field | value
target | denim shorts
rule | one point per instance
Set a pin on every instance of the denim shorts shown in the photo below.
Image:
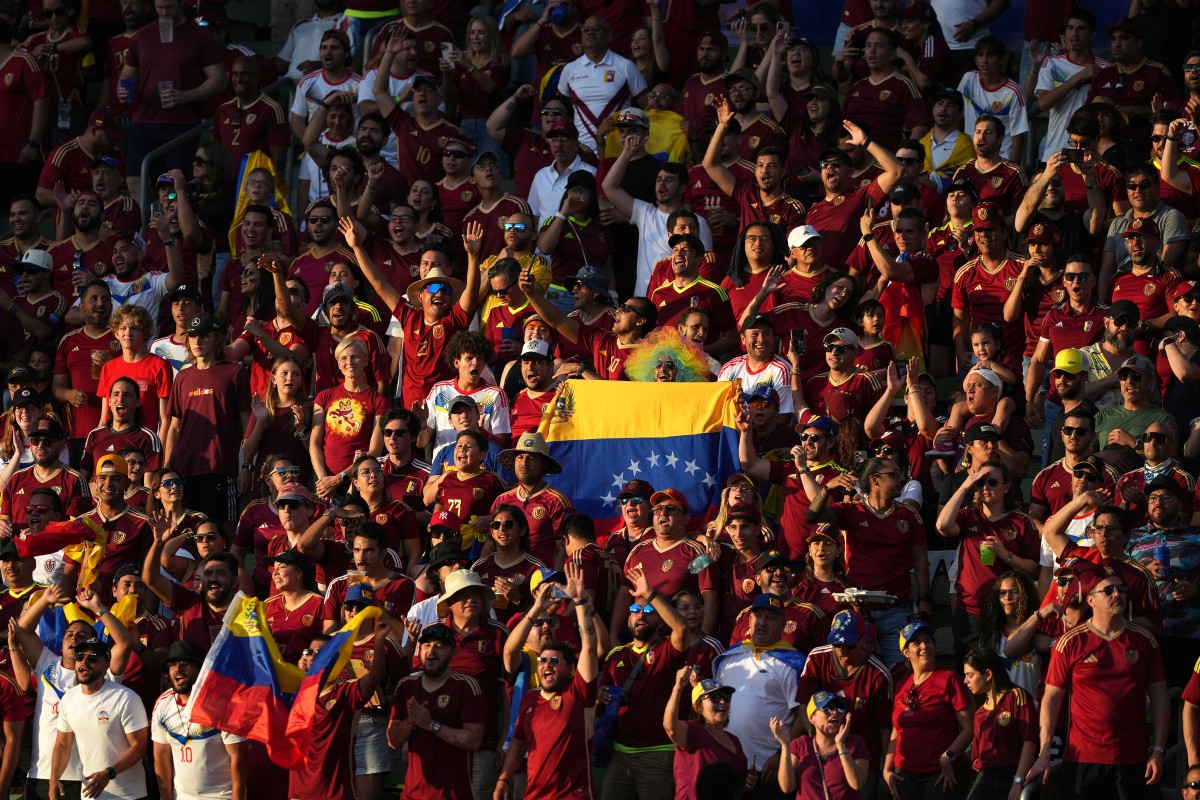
(371, 752)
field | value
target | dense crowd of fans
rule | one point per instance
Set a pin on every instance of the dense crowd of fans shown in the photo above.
(313, 368)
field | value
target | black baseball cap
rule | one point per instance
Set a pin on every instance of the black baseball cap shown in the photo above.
(757, 321)
(185, 290)
(202, 324)
(437, 632)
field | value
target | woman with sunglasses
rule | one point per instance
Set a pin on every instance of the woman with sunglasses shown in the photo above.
(754, 32)
(137, 495)
(701, 740)
(279, 425)
(832, 763)
(1012, 601)
(509, 568)
(185, 551)
(259, 521)
(1005, 737)
(293, 609)
(931, 722)
(995, 538)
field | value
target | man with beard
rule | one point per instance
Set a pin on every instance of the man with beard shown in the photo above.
(23, 212)
(641, 765)
(687, 288)
(886, 102)
(194, 760)
(200, 615)
(70, 163)
(537, 375)
(995, 179)
(251, 121)
(1125, 423)
(638, 520)
(341, 311)
(1147, 281)
(334, 75)
(701, 89)
(493, 214)
(130, 534)
(48, 471)
(544, 507)
(106, 722)
(1106, 356)
(1147, 191)
(385, 183)
(1132, 81)
(757, 130)
(312, 265)
(552, 726)
(86, 252)
(1055, 485)
(1070, 377)
(946, 146)
(129, 283)
(80, 354)
(300, 53)
(744, 563)
(369, 552)
(1158, 450)
(760, 368)
(439, 713)
(121, 211)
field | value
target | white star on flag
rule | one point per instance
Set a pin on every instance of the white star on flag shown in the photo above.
(691, 467)
(652, 459)
(609, 499)
(634, 469)
(709, 481)
(619, 480)
(671, 460)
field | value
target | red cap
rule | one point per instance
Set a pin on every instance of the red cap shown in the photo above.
(108, 120)
(892, 438)
(987, 217)
(1043, 233)
(746, 510)
(636, 489)
(1143, 226)
(671, 496)
(445, 519)
(340, 35)
(1182, 289)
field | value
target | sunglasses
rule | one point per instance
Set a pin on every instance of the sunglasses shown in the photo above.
(553, 112)
(515, 226)
(353, 607)
(38, 509)
(1193, 785)
(54, 12)
(287, 504)
(1086, 475)
(1132, 377)
(544, 622)
(171, 483)
(646, 609)
(913, 699)
(884, 450)
(669, 510)
(1190, 298)
(1158, 138)
(392, 433)
(250, 272)
(1124, 322)
(454, 153)
(991, 483)
(322, 219)
(826, 163)
(1073, 430)
(1192, 68)
(439, 288)
(204, 537)
(635, 500)
(758, 404)
(812, 437)
(1111, 589)
(1139, 186)
(201, 160)
(91, 658)
(834, 710)
(282, 471)
(1156, 438)
(840, 349)
(506, 525)
(503, 292)
(40, 440)
(592, 29)
(553, 661)
(1082, 277)
(628, 309)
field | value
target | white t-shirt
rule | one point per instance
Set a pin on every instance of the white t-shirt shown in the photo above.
(651, 223)
(53, 680)
(146, 291)
(956, 12)
(304, 40)
(315, 87)
(493, 410)
(546, 193)
(777, 373)
(1006, 102)
(1055, 71)
(174, 354)
(198, 756)
(100, 722)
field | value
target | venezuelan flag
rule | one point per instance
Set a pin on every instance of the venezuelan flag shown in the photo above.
(327, 667)
(244, 687)
(673, 435)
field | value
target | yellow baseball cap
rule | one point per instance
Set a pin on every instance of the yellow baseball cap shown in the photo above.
(1071, 361)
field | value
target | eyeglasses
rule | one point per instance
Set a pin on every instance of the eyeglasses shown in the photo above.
(757, 238)
(392, 433)
(204, 537)
(454, 153)
(91, 658)
(1111, 589)
(439, 288)
(404, 218)
(39, 509)
(811, 437)
(515, 226)
(544, 622)
(1132, 377)
(1156, 438)
(281, 472)
(367, 472)
(322, 219)
(635, 500)
(1107, 530)
(646, 609)
(826, 163)
(1139, 186)
(666, 508)
(553, 661)
(1075, 430)
(840, 349)
(506, 525)
(1082, 277)
(909, 161)
(171, 483)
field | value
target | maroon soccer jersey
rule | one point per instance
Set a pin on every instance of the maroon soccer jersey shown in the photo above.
(924, 716)
(424, 346)
(209, 403)
(256, 527)
(794, 523)
(418, 147)
(639, 722)
(1052, 487)
(759, 133)
(555, 731)
(1002, 731)
(405, 482)
(437, 770)
(527, 409)
(293, 628)
(867, 690)
(429, 39)
(313, 270)
(1148, 291)
(69, 256)
(395, 596)
(181, 61)
(65, 482)
(102, 441)
(974, 582)
(73, 358)
(666, 567)
(326, 374)
(261, 125)
(545, 511)
(1107, 679)
(1004, 184)
(805, 626)
(328, 773)
(672, 302)
(72, 165)
(704, 196)
(492, 220)
(878, 549)
(696, 102)
(887, 108)
(981, 293)
(1131, 492)
(456, 202)
(469, 496)
(1064, 328)
(853, 395)
(835, 217)
(519, 572)
(22, 83)
(608, 354)
(785, 212)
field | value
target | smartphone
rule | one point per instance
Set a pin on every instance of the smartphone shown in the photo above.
(783, 27)
(799, 341)
(857, 40)
(156, 210)
(902, 371)
(1074, 155)
(447, 50)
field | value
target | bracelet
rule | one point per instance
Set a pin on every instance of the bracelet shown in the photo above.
(560, 215)
(867, 143)
(168, 242)
(539, 23)
(653, 595)
(1157, 749)
(371, 186)
(1172, 138)
(843, 752)
(866, 237)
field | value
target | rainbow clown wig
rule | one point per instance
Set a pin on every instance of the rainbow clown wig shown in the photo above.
(665, 356)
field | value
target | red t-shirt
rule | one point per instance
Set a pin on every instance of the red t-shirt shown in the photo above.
(181, 61)
(1002, 731)
(835, 217)
(424, 346)
(417, 145)
(73, 358)
(867, 691)
(794, 524)
(1065, 328)
(153, 376)
(66, 483)
(924, 719)
(878, 550)
(527, 410)
(22, 83)
(555, 731)
(469, 496)
(703, 749)
(261, 125)
(975, 580)
(608, 354)
(437, 770)
(95, 260)
(1107, 679)
(209, 404)
(545, 511)
(1004, 184)
(293, 628)
(350, 421)
(329, 770)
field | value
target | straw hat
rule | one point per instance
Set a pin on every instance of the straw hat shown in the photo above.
(435, 275)
(531, 442)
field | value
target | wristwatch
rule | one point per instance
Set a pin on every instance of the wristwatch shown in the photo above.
(436, 728)
(950, 755)
(1018, 780)
(112, 773)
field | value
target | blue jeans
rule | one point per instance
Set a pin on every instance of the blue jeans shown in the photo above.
(888, 623)
(1051, 414)
(220, 261)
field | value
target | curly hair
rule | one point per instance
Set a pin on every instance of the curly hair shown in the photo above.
(992, 618)
(468, 343)
(690, 361)
(139, 316)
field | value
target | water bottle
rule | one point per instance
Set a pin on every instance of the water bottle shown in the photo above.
(699, 564)
(558, 15)
(1162, 554)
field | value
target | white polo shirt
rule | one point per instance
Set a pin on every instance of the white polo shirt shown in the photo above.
(597, 89)
(651, 223)
(546, 193)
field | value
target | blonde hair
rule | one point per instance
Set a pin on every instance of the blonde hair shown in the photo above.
(493, 49)
(140, 318)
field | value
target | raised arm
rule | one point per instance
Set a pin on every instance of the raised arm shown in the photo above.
(382, 88)
(1054, 530)
(885, 158)
(355, 236)
(673, 724)
(567, 327)
(475, 291)
(588, 665)
(666, 611)
(873, 425)
(752, 465)
(620, 198)
(720, 174)
(947, 521)
(151, 574)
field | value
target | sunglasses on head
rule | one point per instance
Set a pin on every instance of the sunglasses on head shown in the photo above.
(506, 525)
(645, 609)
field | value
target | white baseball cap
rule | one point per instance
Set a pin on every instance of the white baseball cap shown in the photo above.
(801, 234)
(843, 335)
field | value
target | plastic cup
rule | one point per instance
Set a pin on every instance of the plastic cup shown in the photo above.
(130, 87)
(987, 556)
(163, 88)
(97, 364)
(166, 30)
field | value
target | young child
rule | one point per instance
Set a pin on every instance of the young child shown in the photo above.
(988, 347)
(876, 352)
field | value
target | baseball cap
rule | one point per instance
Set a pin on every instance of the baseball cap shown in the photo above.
(1043, 233)
(987, 216)
(764, 391)
(823, 530)
(826, 701)
(486, 154)
(767, 602)
(296, 492)
(185, 290)
(462, 400)
(632, 117)
(428, 78)
(834, 152)
(742, 76)
(707, 687)
(1071, 361)
(1125, 25)
(336, 291)
(846, 629)
(437, 632)
(292, 558)
(112, 464)
(1139, 364)
(8, 549)
(918, 10)
(92, 645)
(202, 324)
(445, 519)
(535, 348)
(821, 91)
(25, 397)
(909, 631)
(636, 489)
(1164, 482)
(979, 432)
(339, 34)
(360, 593)
(447, 553)
(104, 161)
(843, 335)
(758, 320)
(690, 239)
(892, 439)
(1143, 226)
(1124, 308)
(1183, 289)
(746, 511)
(801, 234)
(774, 558)
(50, 428)
(108, 120)
(673, 496)
(1185, 324)
(565, 126)
(825, 425)
(964, 185)
(21, 375)
(904, 193)
(33, 259)
(542, 575)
